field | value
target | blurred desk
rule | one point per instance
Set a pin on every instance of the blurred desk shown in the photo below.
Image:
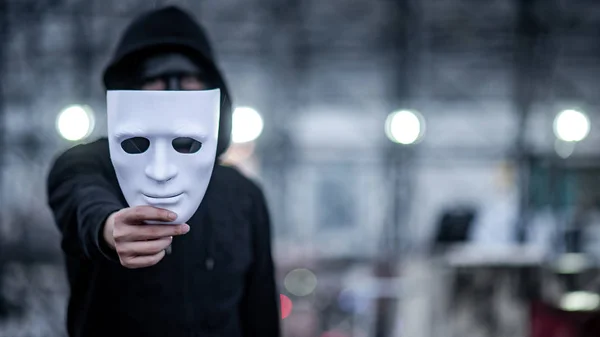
(483, 289)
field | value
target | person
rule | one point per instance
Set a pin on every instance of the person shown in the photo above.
(219, 279)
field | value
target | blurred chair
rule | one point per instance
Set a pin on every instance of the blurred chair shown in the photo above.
(454, 227)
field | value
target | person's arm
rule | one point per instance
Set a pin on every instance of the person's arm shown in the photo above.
(81, 199)
(260, 313)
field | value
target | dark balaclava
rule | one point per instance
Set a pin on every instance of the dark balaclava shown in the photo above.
(171, 67)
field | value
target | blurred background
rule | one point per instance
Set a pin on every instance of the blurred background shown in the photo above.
(431, 166)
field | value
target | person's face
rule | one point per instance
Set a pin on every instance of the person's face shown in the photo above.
(187, 82)
(170, 71)
(163, 138)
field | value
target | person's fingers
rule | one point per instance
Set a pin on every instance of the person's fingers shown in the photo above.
(143, 261)
(126, 233)
(139, 214)
(138, 248)
(151, 232)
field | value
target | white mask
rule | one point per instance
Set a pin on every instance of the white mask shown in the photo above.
(163, 146)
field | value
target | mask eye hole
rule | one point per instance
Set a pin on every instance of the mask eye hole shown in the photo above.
(186, 145)
(135, 145)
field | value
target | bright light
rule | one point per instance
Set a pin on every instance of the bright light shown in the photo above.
(75, 122)
(571, 126)
(300, 282)
(572, 263)
(247, 125)
(404, 127)
(580, 301)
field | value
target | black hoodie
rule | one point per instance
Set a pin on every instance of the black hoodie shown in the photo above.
(219, 279)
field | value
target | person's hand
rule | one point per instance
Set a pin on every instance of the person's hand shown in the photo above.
(139, 244)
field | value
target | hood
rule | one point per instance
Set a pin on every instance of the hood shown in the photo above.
(170, 29)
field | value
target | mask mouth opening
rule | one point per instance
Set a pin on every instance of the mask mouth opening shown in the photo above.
(163, 200)
(164, 196)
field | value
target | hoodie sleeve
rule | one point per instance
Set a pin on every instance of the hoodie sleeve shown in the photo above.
(81, 198)
(260, 306)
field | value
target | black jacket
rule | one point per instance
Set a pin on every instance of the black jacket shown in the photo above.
(218, 281)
